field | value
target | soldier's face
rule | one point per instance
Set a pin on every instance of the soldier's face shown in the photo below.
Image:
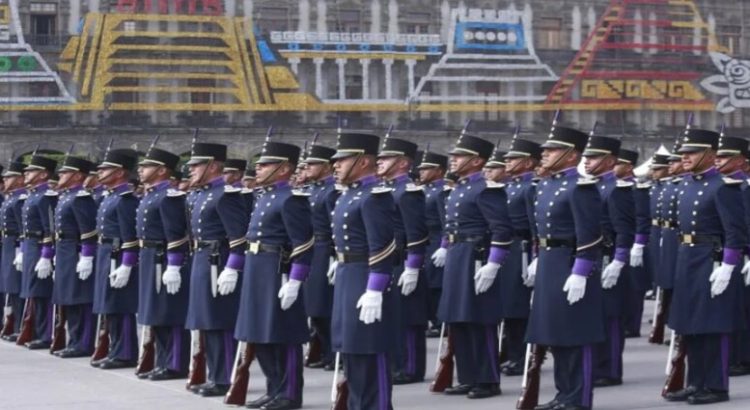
(147, 173)
(675, 168)
(623, 170)
(32, 177)
(552, 158)
(494, 174)
(428, 175)
(386, 166)
(698, 161)
(265, 171)
(12, 182)
(315, 171)
(593, 165)
(342, 170)
(197, 172)
(730, 164)
(66, 179)
(231, 177)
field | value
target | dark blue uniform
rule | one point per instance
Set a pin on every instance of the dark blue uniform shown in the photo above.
(118, 245)
(318, 292)
(365, 247)
(37, 233)
(435, 194)
(10, 277)
(476, 224)
(162, 234)
(410, 232)
(515, 295)
(639, 277)
(652, 254)
(568, 219)
(741, 341)
(280, 243)
(218, 221)
(75, 236)
(712, 230)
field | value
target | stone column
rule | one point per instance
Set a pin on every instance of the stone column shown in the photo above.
(341, 62)
(388, 63)
(318, 77)
(365, 78)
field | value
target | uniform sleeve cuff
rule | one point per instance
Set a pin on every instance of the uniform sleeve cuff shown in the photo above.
(582, 267)
(88, 249)
(732, 256)
(497, 254)
(299, 272)
(641, 238)
(236, 261)
(414, 260)
(378, 281)
(444, 243)
(48, 252)
(129, 258)
(175, 258)
(622, 254)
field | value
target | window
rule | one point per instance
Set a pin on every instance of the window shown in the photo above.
(731, 38)
(549, 33)
(43, 29)
(201, 97)
(43, 8)
(353, 89)
(348, 21)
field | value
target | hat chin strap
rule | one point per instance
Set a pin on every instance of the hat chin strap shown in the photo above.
(700, 161)
(464, 164)
(275, 170)
(349, 171)
(598, 164)
(560, 158)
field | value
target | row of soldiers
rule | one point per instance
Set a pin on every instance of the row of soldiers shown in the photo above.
(363, 261)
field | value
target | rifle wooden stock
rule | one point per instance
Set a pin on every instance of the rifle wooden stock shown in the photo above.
(237, 393)
(313, 351)
(530, 394)
(197, 374)
(657, 329)
(58, 333)
(444, 374)
(26, 333)
(342, 395)
(101, 350)
(146, 361)
(676, 379)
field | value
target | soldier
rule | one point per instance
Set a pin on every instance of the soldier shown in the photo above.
(116, 284)
(731, 159)
(639, 273)
(618, 230)
(707, 297)
(163, 239)
(10, 221)
(75, 247)
(521, 159)
(318, 290)
(432, 177)
(394, 163)
(279, 243)
(567, 306)
(479, 233)
(36, 249)
(218, 220)
(365, 247)
(248, 180)
(495, 169)
(234, 171)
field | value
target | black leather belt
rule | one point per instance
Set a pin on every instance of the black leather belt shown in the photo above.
(106, 241)
(342, 257)
(10, 232)
(522, 234)
(669, 224)
(322, 237)
(150, 244)
(457, 237)
(689, 239)
(33, 235)
(62, 236)
(557, 243)
(208, 244)
(259, 247)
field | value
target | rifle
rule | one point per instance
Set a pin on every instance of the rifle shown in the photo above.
(313, 351)
(339, 388)
(146, 359)
(197, 375)
(444, 372)
(657, 331)
(532, 372)
(9, 320)
(58, 333)
(101, 347)
(26, 334)
(237, 393)
(676, 367)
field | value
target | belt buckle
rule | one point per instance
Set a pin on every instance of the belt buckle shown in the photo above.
(452, 238)
(140, 243)
(254, 247)
(688, 239)
(543, 242)
(340, 257)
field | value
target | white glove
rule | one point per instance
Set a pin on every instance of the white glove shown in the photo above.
(288, 293)
(575, 285)
(172, 279)
(485, 277)
(438, 257)
(371, 303)
(84, 267)
(18, 261)
(408, 281)
(43, 268)
(120, 276)
(746, 272)
(332, 271)
(227, 281)
(612, 273)
(530, 274)
(636, 255)
(720, 279)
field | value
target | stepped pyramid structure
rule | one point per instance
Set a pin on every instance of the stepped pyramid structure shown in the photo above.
(23, 72)
(492, 46)
(641, 54)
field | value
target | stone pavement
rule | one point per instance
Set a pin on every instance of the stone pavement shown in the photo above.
(37, 380)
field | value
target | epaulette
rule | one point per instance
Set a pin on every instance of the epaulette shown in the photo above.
(381, 190)
(228, 189)
(624, 184)
(340, 187)
(82, 193)
(587, 181)
(300, 192)
(667, 179)
(412, 187)
(447, 188)
(731, 181)
(22, 197)
(492, 184)
(171, 192)
(246, 191)
(643, 185)
(126, 193)
(50, 192)
(675, 180)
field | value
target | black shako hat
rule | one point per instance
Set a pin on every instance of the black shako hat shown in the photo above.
(731, 146)
(433, 160)
(600, 145)
(696, 140)
(76, 164)
(660, 161)
(350, 144)
(319, 154)
(563, 137)
(119, 158)
(393, 147)
(524, 148)
(202, 152)
(15, 168)
(39, 162)
(156, 156)
(273, 152)
(628, 156)
(233, 164)
(473, 145)
(497, 160)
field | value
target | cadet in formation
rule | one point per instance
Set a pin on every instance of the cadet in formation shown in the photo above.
(10, 264)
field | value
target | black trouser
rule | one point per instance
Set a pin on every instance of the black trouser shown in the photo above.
(515, 346)
(608, 353)
(321, 327)
(123, 343)
(17, 304)
(80, 322)
(476, 350)
(282, 366)
(220, 349)
(433, 300)
(369, 380)
(172, 347)
(573, 374)
(708, 360)
(42, 319)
